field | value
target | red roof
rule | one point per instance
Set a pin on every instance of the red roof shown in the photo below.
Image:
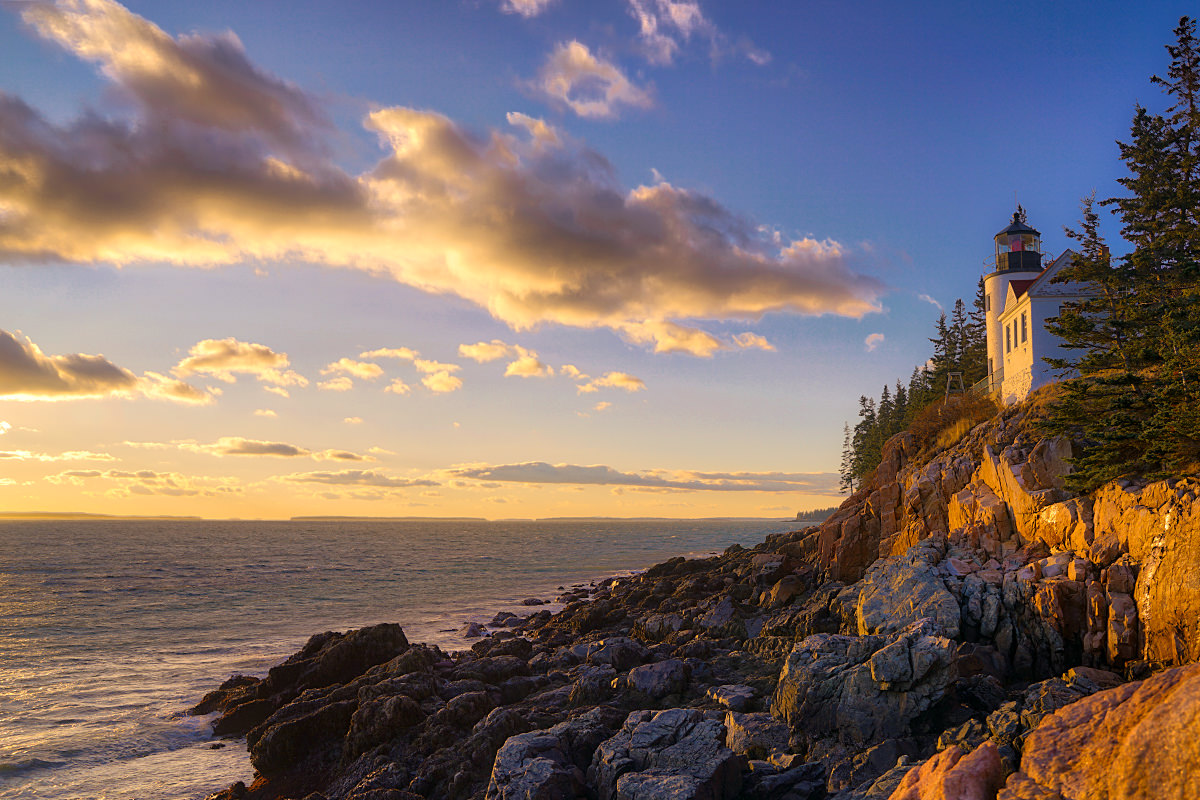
(1019, 287)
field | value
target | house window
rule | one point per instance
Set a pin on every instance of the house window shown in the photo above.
(1024, 329)
(1007, 338)
(987, 302)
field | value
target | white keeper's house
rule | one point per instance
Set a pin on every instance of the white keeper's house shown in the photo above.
(1018, 299)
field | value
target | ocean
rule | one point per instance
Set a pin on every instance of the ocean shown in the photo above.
(111, 629)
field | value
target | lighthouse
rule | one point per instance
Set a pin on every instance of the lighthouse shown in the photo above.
(1018, 258)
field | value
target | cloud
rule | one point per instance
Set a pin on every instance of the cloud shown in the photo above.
(338, 384)
(264, 412)
(217, 163)
(573, 372)
(398, 386)
(357, 477)
(665, 24)
(206, 80)
(616, 380)
(540, 472)
(149, 482)
(4, 427)
(277, 390)
(526, 8)
(441, 382)
(931, 301)
(359, 369)
(669, 337)
(391, 352)
(237, 446)
(70, 455)
(26, 373)
(749, 340)
(873, 341)
(602, 406)
(427, 366)
(528, 366)
(484, 352)
(353, 420)
(525, 365)
(587, 84)
(224, 359)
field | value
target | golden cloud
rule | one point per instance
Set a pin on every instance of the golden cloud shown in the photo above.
(360, 369)
(224, 359)
(222, 163)
(540, 472)
(26, 373)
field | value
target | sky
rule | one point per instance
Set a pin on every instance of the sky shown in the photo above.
(512, 258)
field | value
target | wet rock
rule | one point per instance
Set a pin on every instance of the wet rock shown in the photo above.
(299, 733)
(619, 652)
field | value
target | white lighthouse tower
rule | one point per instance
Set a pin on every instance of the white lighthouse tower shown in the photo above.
(1018, 258)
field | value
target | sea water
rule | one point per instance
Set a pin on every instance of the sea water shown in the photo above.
(111, 629)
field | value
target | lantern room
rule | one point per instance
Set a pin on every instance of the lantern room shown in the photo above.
(1018, 247)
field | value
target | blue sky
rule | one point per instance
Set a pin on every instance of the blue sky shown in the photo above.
(703, 207)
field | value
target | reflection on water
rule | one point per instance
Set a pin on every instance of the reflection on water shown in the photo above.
(110, 629)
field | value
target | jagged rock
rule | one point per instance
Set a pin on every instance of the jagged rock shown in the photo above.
(549, 764)
(300, 732)
(800, 782)
(618, 652)
(376, 721)
(863, 689)
(678, 753)
(1137, 740)
(592, 684)
(951, 775)
(755, 735)
(895, 593)
(657, 627)
(735, 697)
(656, 680)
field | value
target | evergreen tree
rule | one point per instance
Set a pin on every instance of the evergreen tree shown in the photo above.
(847, 467)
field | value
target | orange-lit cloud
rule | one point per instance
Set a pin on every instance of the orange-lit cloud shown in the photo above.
(748, 340)
(615, 380)
(238, 446)
(588, 84)
(525, 364)
(360, 369)
(441, 382)
(70, 455)
(873, 341)
(222, 163)
(398, 386)
(540, 472)
(357, 477)
(403, 353)
(338, 384)
(26, 373)
(149, 482)
(224, 359)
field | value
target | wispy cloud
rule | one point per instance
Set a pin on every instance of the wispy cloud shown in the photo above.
(666, 25)
(150, 482)
(358, 477)
(873, 341)
(588, 84)
(365, 370)
(220, 162)
(238, 446)
(931, 301)
(69, 455)
(540, 472)
(526, 8)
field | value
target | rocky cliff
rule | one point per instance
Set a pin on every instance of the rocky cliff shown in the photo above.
(962, 627)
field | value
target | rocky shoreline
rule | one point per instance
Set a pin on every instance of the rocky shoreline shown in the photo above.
(960, 628)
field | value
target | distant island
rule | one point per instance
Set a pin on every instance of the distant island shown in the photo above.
(63, 515)
(815, 516)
